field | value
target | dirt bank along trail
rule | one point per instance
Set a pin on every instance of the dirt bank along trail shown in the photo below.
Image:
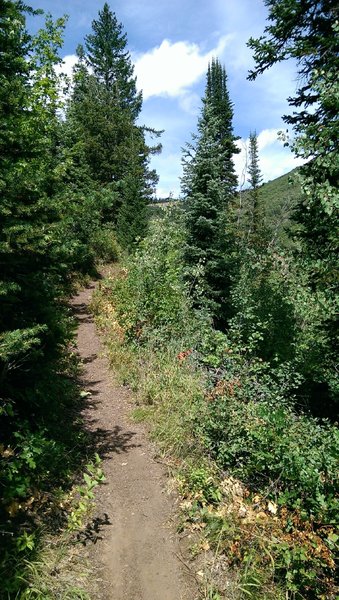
(136, 553)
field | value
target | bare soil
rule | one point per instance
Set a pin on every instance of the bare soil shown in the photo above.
(131, 542)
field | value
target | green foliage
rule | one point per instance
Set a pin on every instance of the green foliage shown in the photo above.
(154, 295)
(208, 184)
(263, 298)
(107, 56)
(18, 344)
(104, 244)
(310, 34)
(265, 443)
(43, 446)
(199, 482)
(93, 476)
(30, 274)
(230, 406)
(250, 214)
(277, 200)
(104, 146)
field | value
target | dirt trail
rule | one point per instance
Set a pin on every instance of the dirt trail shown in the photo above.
(136, 551)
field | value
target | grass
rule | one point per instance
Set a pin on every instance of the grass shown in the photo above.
(59, 571)
(278, 198)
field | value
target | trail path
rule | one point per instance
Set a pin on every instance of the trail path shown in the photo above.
(136, 552)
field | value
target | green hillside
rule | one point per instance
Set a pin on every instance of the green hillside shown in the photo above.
(278, 199)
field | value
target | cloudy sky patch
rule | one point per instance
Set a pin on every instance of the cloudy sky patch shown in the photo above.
(171, 69)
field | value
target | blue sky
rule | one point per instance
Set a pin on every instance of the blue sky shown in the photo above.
(171, 44)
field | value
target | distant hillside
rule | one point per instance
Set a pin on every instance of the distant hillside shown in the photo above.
(278, 198)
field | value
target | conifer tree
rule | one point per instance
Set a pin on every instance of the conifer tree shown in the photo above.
(209, 184)
(29, 211)
(103, 132)
(106, 54)
(255, 180)
(217, 96)
(308, 32)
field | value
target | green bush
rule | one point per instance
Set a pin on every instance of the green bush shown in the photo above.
(227, 405)
(253, 432)
(104, 244)
(154, 294)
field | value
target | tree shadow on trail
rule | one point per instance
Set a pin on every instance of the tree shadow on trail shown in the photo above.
(81, 313)
(93, 530)
(112, 441)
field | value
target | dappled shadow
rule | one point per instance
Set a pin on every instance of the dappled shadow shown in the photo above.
(93, 530)
(89, 359)
(81, 313)
(104, 437)
(112, 441)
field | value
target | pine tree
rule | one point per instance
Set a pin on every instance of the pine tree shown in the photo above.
(217, 96)
(209, 184)
(255, 180)
(136, 190)
(106, 54)
(29, 179)
(103, 135)
(308, 32)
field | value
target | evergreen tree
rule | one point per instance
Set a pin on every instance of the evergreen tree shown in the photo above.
(217, 96)
(308, 32)
(255, 180)
(136, 190)
(29, 257)
(209, 184)
(106, 54)
(103, 135)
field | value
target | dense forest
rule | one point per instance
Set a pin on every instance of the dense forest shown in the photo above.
(222, 317)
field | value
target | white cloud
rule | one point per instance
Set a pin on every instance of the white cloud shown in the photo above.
(172, 68)
(266, 138)
(274, 160)
(67, 65)
(190, 103)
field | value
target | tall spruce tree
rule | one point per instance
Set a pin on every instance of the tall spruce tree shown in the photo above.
(308, 32)
(106, 54)
(29, 256)
(103, 131)
(209, 184)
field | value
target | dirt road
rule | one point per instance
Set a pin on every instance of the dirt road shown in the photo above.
(132, 541)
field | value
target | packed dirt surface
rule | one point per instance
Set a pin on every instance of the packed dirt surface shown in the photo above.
(131, 541)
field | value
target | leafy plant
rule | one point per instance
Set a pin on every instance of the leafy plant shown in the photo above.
(92, 478)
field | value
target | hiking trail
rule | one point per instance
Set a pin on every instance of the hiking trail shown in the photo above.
(132, 543)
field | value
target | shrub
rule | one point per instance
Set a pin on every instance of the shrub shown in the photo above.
(154, 295)
(251, 428)
(104, 244)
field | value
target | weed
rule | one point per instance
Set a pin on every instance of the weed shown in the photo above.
(93, 476)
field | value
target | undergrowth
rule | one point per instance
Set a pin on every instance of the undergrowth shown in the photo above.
(49, 469)
(257, 476)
